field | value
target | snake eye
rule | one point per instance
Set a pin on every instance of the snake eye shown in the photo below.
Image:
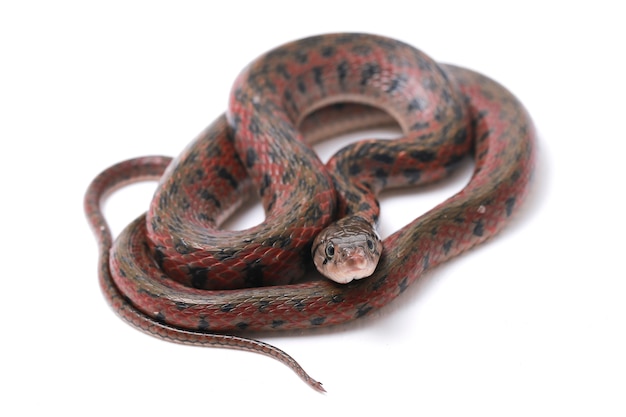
(370, 244)
(330, 250)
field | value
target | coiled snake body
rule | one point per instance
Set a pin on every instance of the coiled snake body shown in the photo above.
(175, 274)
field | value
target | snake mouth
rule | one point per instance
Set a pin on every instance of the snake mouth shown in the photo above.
(351, 264)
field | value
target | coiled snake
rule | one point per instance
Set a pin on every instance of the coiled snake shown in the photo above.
(175, 274)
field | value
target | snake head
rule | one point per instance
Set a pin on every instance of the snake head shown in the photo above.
(346, 250)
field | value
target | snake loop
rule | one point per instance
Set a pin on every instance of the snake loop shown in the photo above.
(176, 274)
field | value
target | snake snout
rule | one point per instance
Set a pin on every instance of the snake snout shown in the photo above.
(354, 258)
(355, 263)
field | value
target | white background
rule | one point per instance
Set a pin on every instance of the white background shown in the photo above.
(531, 323)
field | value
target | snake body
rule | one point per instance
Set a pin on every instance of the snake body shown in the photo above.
(174, 273)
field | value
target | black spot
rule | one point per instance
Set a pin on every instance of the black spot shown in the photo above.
(381, 175)
(337, 298)
(379, 282)
(242, 325)
(181, 305)
(420, 126)
(287, 177)
(159, 256)
(282, 70)
(160, 317)
(479, 228)
(224, 174)
(364, 206)
(352, 197)
(317, 321)
(146, 292)
(278, 241)
(460, 136)
(328, 51)
(299, 305)
(254, 275)
(163, 202)
(445, 95)
(481, 155)
(203, 324)
(287, 95)
(342, 71)
(396, 83)
(355, 169)
(277, 323)
(182, 247)
(263, 305)
(412, 174)
(404, 284)
(225, 253)
(510, 204)
(301, 57)
(155, 223)
(453, 162)
(423, 156)
(484, 136)
(301, 86)
(271, 203)
(313, 212)
(265, 183)
(417, 104)
(173, 188)
(425, 136)
(227, 308)
(383, 158)
(127, 300)
(369, 71)
(254, 126)
(206, 195)
(199, 277)
(447, 245)
(363, 310)
(239, 95)
(251, 157)
(362, 187)
(443, 74)
(317, 75)
(235, 124)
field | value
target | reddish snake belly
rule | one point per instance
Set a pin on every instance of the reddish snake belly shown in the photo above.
(173, 273)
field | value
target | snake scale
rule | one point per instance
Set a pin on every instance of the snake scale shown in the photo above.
(176, 274)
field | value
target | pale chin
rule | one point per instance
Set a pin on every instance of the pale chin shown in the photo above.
(345, 279)
(341, 280)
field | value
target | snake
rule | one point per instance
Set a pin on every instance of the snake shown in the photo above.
(316, 259)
